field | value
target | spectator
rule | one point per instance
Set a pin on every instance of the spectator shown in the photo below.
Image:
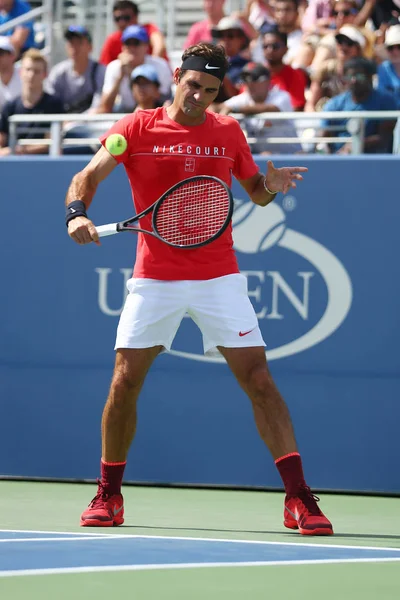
(258, 12)
(126, 13)
(231, 34)
(389, 71)
(77, 81)
(145, 87)
(135, 43)
(259, 97)
(33, 100)
(10, 82)
(328, 81)
(293, 81)
(22, 36)
(360, 95)
(286, 14)
(202, 30)
(319, 44)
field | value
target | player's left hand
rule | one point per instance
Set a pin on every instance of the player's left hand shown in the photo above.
(283, 179)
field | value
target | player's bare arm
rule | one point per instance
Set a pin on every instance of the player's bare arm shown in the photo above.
(263, 189)
(83, 188)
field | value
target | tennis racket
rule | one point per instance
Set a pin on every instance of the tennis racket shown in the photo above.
(192, 213)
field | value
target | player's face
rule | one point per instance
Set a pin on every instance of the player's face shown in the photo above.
(33, 73)
(195, 92)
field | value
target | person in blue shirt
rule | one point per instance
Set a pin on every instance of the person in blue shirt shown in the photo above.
(22, 36)
(360, 95)
(389, 70)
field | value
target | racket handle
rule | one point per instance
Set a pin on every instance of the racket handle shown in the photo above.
(109, 229)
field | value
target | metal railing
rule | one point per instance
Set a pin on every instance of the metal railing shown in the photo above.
(57, 140)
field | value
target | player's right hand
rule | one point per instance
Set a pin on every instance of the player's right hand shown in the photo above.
(82, 231)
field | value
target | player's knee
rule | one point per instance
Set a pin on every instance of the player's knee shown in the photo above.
(259, 381)
(124, 384)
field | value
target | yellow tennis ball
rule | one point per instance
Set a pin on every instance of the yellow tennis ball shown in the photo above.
(116, 144)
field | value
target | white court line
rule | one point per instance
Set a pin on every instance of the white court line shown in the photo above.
(55, 539)
(107, 568)
(200, 539)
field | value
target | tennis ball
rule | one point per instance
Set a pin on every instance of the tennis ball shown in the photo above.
(116, 144)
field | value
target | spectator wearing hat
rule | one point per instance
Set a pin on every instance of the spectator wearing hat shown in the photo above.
(360, 95)
(10, 82)
(145, 87)
(259, 97)
(389, 70)
(293, 81)
(77, 81)
(117, 94)
(32, 100)
(21, 36)
(328, 81)
(231, 34)
(126, 13)
(202, 31)
(319, 44)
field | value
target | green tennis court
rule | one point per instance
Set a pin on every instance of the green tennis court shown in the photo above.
(192, 544)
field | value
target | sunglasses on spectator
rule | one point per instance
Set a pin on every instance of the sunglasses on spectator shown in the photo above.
(125, 18)
(229, 35)
(393, 47)
(346, 42)
(248, 78)
(133, 42)
(360, 77)
(274, 46)
(344, 13)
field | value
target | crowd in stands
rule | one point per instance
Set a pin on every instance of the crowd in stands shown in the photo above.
(284, 55)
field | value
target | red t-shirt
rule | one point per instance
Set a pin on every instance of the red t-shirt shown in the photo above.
(292, 81)
(161, 153)
(112, 47)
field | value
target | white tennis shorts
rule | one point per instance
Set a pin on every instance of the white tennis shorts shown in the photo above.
(220, 307)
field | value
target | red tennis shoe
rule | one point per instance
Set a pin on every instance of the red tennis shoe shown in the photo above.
(104, 510)
(302, 513)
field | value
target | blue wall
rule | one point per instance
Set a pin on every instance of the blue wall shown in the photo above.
(322, 267)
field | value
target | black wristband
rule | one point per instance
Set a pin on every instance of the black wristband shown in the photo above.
(74, 209)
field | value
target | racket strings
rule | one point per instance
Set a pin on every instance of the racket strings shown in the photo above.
(193, 213)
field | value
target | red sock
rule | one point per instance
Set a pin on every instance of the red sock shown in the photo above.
(291, 471)
(111, 476)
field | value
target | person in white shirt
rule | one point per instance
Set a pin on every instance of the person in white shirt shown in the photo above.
(259, 97)
(10, 82)
(117, 94)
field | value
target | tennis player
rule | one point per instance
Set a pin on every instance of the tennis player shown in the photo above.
(165, 146)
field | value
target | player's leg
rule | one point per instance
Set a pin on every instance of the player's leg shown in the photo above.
(118, 429)
(273, 422)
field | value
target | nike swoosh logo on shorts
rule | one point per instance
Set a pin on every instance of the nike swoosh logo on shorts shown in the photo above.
(210, 67)
(117, 510)
(242, 333)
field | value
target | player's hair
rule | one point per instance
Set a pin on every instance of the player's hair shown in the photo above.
(126, 5)
(208, 51)
(36, 56)
(359, 63)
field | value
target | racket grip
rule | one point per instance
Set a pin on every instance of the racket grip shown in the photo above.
(109, 229)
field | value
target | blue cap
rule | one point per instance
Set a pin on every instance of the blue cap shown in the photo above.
(77, 31)
(135, 32)
(146, 71)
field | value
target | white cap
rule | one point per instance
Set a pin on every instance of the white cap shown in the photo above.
(392, 35)
(353, 34)
(6, 45)
(229, 23)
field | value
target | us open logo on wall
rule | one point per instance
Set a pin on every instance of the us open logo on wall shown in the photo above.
(300, 290)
